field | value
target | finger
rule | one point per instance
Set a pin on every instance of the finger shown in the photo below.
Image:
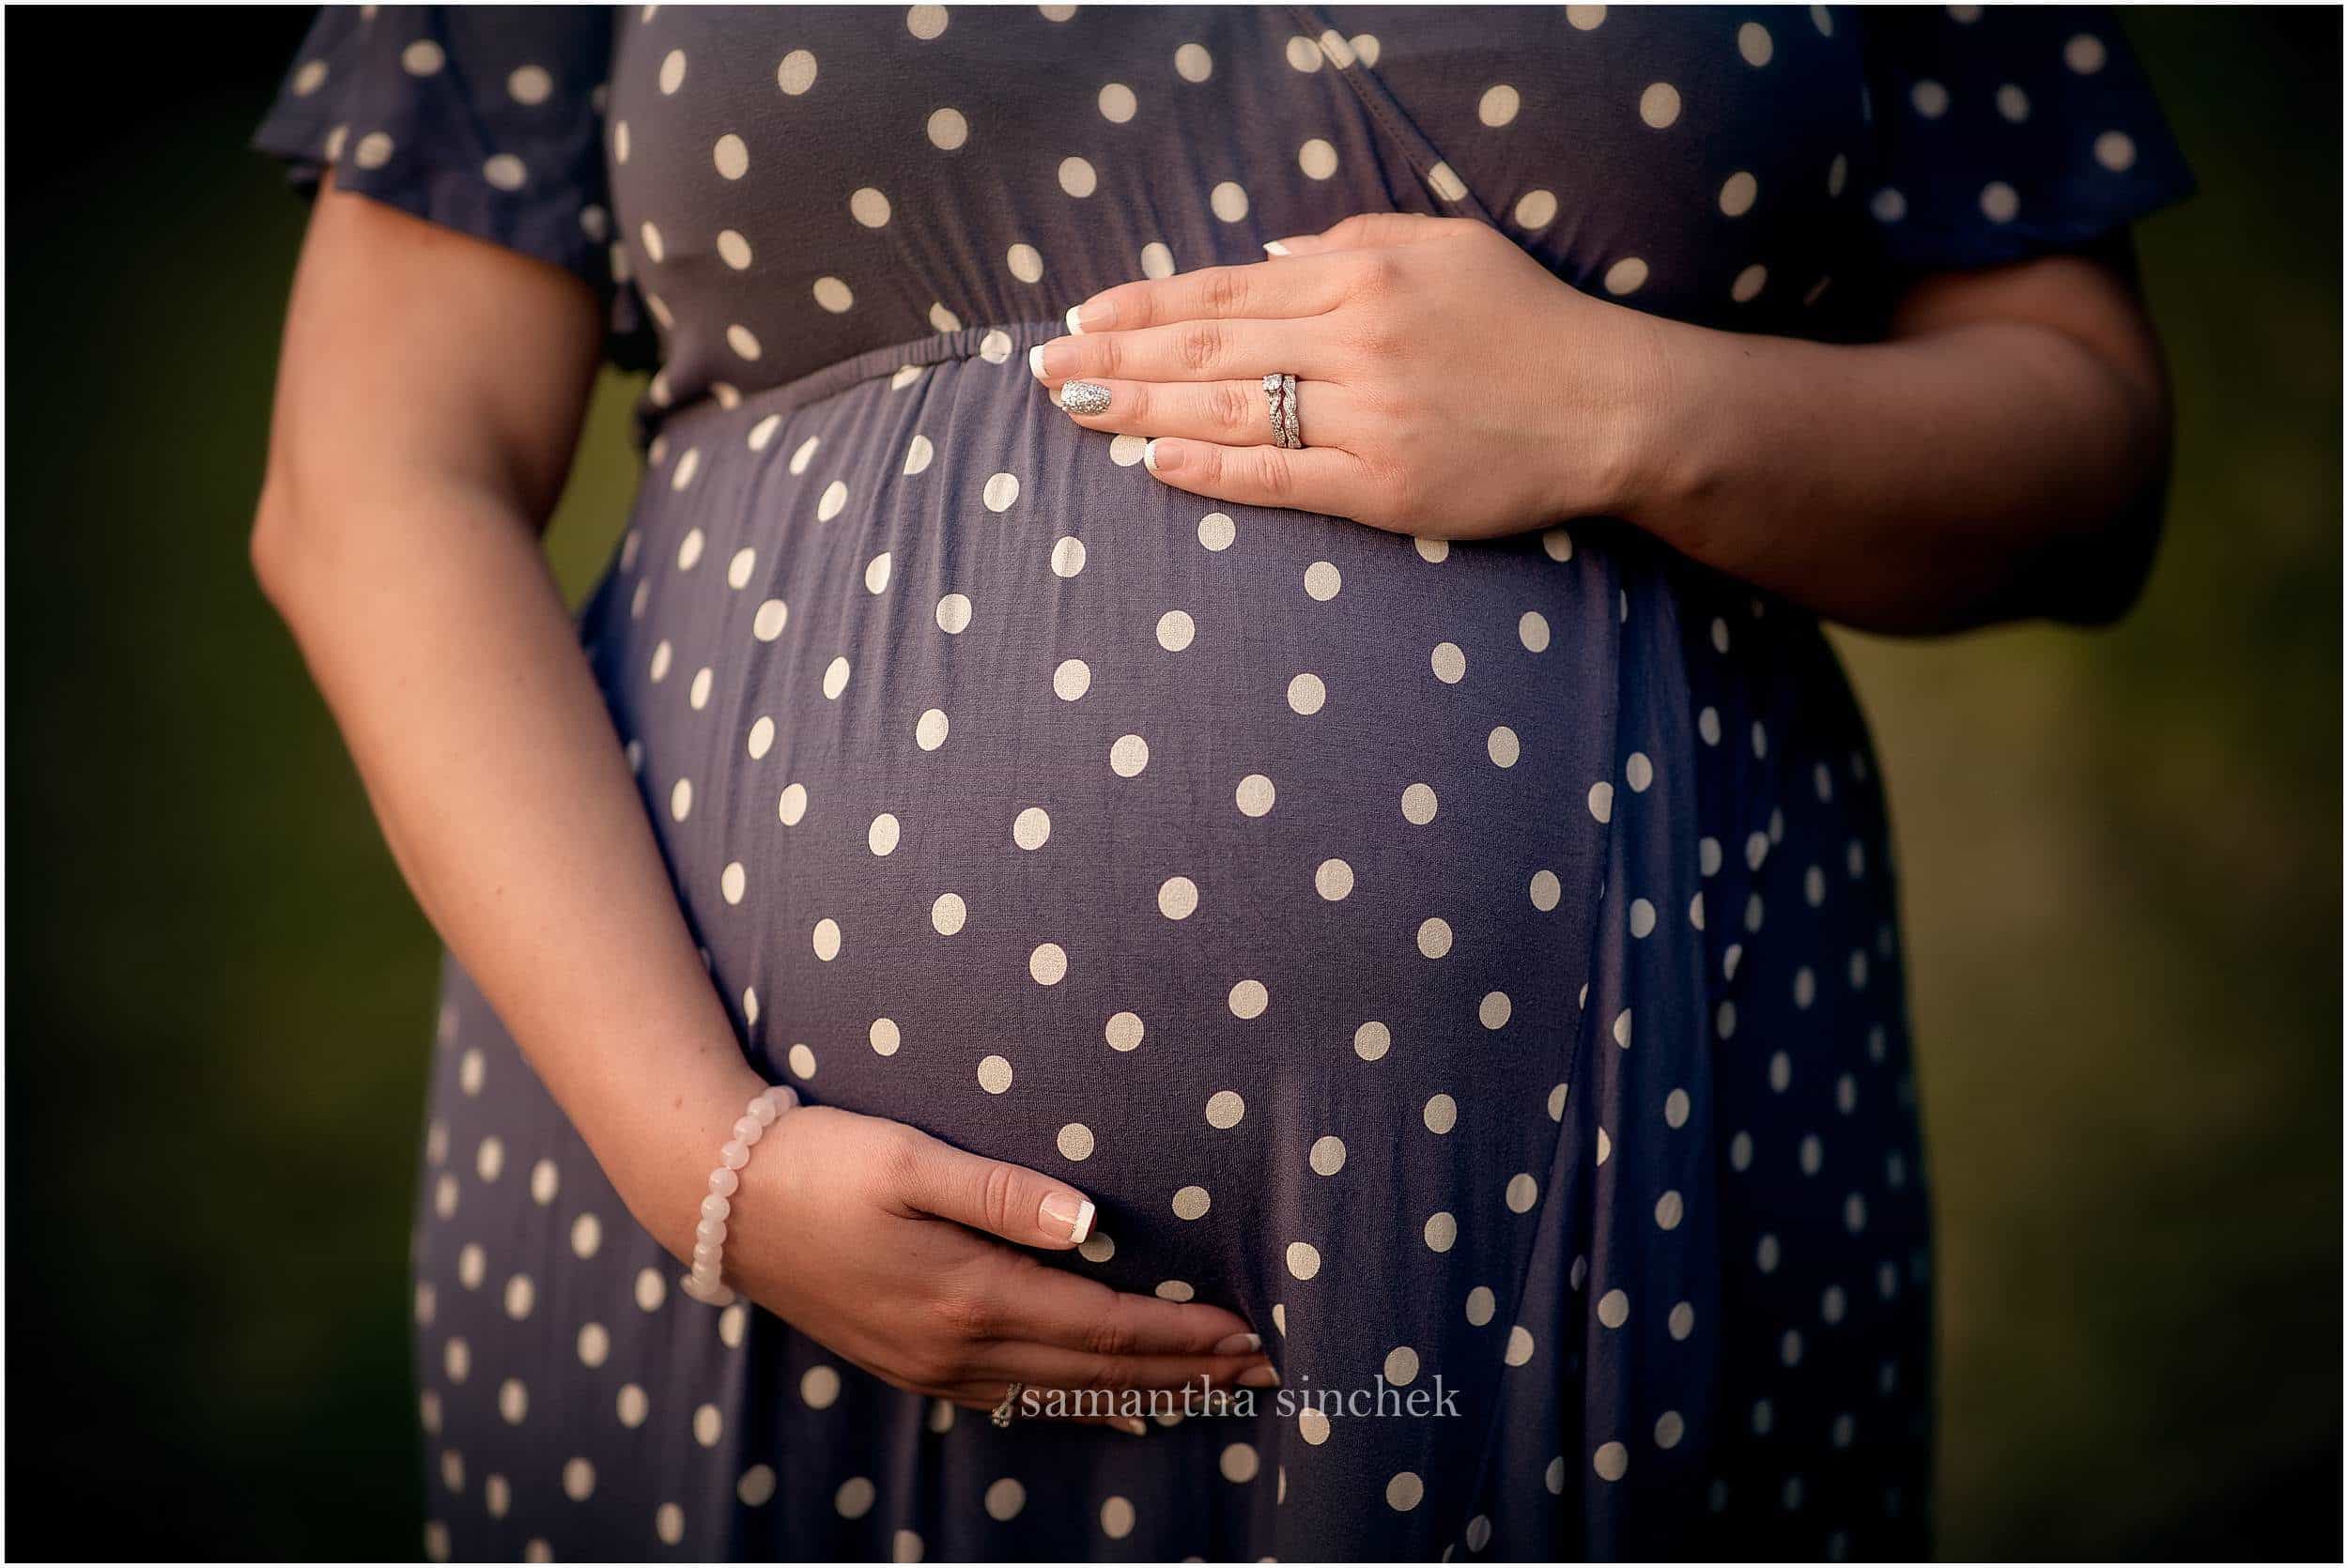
(1255, 290)
(1004, 1200)
(1234, 413)
(1187, 351)
(1034, 1304)
(1046, 1366)
(1365, 231)
(986, 1397)
(1317, 479)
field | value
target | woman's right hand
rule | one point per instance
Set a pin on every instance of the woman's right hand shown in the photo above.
(879, 1241)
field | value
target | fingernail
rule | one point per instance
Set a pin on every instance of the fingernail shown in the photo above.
(1131, 1425)
(1238, 1345)
(1259, 1377)
(1066, 1213)
(1035, 361)
(1159, 458)
(1090, 319)
(1272, 247)
(1076, 322)
(1084, 397)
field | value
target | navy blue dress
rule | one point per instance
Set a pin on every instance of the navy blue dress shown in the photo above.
(1475, 964)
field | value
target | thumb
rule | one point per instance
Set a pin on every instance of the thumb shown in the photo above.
(1363, 231)
(1009, 1201)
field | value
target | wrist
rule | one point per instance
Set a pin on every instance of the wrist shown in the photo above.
(657, 1148)
(1682, 426)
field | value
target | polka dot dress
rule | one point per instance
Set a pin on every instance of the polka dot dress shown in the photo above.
(1475, 965)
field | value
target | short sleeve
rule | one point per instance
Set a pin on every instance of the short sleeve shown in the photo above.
(485, 119)
(2004, 132)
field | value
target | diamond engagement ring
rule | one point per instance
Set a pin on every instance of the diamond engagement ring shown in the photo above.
(1280, 392)
(1008, 1410)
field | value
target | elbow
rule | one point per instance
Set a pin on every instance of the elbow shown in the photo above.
(274, 544)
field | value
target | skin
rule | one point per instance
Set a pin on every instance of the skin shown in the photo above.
(1999, 456)
(430, 390)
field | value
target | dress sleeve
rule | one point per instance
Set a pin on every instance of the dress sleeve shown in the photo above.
(2004, 132)
(485, 119)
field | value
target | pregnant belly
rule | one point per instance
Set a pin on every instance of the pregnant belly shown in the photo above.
(1236, 866)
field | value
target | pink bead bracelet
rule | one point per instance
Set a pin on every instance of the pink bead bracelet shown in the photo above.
(708, 1281)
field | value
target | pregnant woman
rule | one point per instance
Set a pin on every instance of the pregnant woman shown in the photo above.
(1367, 891)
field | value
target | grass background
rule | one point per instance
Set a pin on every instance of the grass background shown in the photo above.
(2122, 854)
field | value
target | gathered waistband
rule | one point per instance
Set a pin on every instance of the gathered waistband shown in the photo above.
(1003, 342)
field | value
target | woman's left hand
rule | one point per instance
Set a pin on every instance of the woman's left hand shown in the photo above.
(1448, 384)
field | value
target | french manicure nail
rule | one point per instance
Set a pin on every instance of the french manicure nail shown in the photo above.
(1076, 323)
(1237, 1345)
(1272, 247)
(1065, 1212)
(1035, 361)
(1259, 1377)
(1158, 461)
(1084, 397)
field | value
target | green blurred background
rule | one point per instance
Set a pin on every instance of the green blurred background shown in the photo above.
(2122, 856)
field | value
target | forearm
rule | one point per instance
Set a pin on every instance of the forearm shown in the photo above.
(435, 632)
(1976, 472)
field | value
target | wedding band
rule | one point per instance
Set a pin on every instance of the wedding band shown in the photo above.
(1288, 433)
(1009, 1406)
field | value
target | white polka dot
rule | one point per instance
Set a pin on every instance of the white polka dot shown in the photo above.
(1327, 1156)
(1317, 159)
(374, 150)
(505, 171)
(1404, 1491)
(422, 57)
(1738, 194)
(2116, 151)
(928, 731)
(947, 129)
(1659, 106)
(1748, 284)
(1601, 800)
(953, 614)
(1255, 795)
(1372, 1040)
(797, 74)
(1156, 260)
(1998, 202)
(1192, 1203)
(1434, 937)
(825, 939)
(2085, 53)
(1077, 177)
(1503, 746)
(1307, 694)
(1048, 965)
(1332, 880)
(1003, 490)
(731, 156)
(925, 22)
(1448, 663)
(1228, 202)
(1128, 756)
(1248, 999)
(1498, 105)
(1626, 276)
(947, 914)
(1537, 209)
(868, 208)
(885, 1037)
(1304, 1259)
(1124, 1032)
(1495, 1010)
(1752, 42)
(833, 295)
(1176, 630)
(1178, 898)
(1192, 63)
(1072, 680)
(1418, 805)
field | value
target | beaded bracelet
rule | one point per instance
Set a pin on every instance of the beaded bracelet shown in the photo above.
(708, 1281)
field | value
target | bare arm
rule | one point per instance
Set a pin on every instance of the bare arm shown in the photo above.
(2003, 454)
(430, 393)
